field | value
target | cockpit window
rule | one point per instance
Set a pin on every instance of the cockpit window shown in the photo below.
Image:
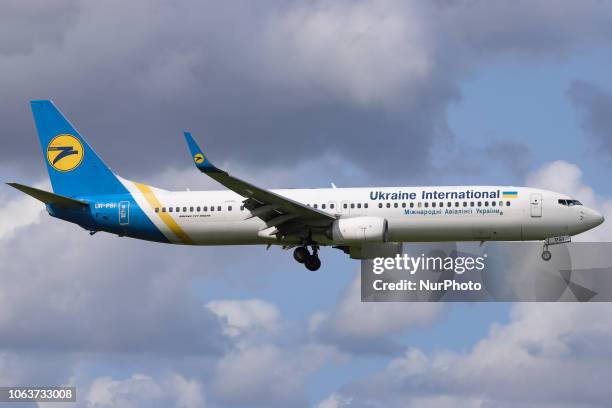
(569, 202)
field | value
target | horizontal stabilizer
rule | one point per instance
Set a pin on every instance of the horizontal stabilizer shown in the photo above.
(50, 198)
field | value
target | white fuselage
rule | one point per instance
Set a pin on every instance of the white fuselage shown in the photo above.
(417, 214)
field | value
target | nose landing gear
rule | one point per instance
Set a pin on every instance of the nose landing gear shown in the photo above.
(546, 255)
(310, 261)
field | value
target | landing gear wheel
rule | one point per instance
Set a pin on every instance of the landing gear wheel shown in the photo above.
(312, 263)
(546, 255)
(300, 254)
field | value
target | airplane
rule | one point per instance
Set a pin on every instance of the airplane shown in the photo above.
(362, 222)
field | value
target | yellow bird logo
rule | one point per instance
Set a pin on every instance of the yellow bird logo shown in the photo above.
(198, 158)
(65, 152)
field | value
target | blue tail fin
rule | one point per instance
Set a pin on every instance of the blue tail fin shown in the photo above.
(74, 168)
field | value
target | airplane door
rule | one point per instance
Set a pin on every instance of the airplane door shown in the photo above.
(535, 204)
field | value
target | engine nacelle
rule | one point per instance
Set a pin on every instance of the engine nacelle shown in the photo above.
(359, 229)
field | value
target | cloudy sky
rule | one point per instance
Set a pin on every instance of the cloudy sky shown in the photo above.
(300, 94)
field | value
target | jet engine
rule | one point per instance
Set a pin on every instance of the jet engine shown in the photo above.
(359, 229)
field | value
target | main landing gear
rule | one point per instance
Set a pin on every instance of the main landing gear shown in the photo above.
(310, 261)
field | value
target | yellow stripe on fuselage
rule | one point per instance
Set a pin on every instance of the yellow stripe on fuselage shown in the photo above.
(165, 217)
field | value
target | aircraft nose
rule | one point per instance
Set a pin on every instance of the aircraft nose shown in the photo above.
(593, 218)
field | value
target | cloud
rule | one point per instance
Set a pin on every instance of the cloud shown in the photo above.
(595, 107)
(67, 291)
(335, 401)
(45, 21)
(337, 46)
(547, 355)
(566, 178)
(240, 316)
(301, 79)
(369, 327)
(268, 375)
(540, 28)
(19, 212)
(141, 390)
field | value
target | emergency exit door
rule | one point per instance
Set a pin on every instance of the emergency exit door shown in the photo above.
(535, 204)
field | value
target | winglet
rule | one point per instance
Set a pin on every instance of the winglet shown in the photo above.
(199, 158)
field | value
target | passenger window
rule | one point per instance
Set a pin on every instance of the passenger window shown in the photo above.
(465, 203)
(388, 205)
(456, 203)
(492, 203)
(345, 205)
(379, 205)
(242, 208)
(471, 203)
(480, 204)
(403, 205)
(365, 205)
(163, 209)
(352, 205)
(486, 203)
(170, 209)
(323, 206)
(156, 210)
(205, 208)
(190, 209)
(441, 204)
(219, 208)
(358, 205)
(426, 205)
(198, 209)
(501, 203)
(178, 209)
(419, 204)
(212, 208)
(331, 206)
(411, 205)
(432, 204)
(229, 208)
(315, 206)
(507, 203)
(449, 204)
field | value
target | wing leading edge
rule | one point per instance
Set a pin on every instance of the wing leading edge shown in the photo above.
(283, 216)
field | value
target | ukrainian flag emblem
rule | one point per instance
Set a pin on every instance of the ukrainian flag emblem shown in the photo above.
(510, 194)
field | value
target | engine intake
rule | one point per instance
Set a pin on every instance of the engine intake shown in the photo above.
(359, 229)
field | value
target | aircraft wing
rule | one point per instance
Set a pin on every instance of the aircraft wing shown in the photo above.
(283, 216)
